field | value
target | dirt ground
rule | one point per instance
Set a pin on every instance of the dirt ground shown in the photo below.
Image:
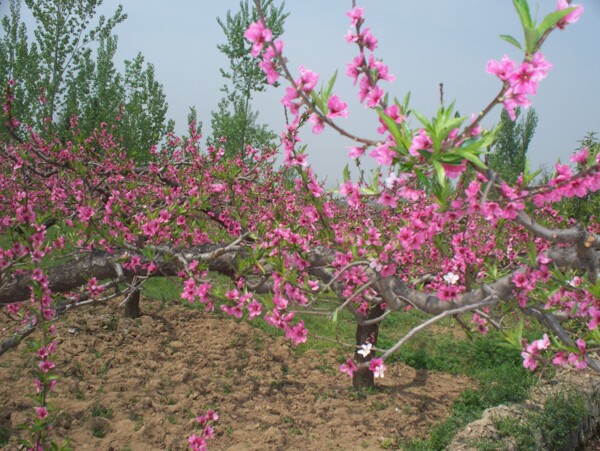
(138, 385)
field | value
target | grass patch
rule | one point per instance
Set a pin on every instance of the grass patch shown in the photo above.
(497, 371)
(162, 289)
(500, 377)
(5, 434)
(99, 410)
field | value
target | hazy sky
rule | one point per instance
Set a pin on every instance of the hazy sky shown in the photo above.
(424, 42)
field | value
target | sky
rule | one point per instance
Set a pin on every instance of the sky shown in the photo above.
(425, 43)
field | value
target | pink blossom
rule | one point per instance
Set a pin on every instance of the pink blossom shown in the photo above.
(46, 365)
(383, 154)
(368, 39)
(393, 112)
(354, 68)
(387, 200)
(447, 292)
(349, 367)
(502, 69)
(356, 152)
(41, 412)
(355, 14)
(211, 415)
(374, 96)
(381, 69)
(421, 141)
(254, 309)
(376, 365)
(13, 308)
(336, 107)
(572, 17)
(85, 213)
(351, 192)
(580, 157)
(258, 34)
(308, 80)
(529, 361)
(317, 122)
(197, 443)
(297, 334)
(270, 70)
(454, 171)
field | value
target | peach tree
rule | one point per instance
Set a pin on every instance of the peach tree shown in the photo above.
(432, 229)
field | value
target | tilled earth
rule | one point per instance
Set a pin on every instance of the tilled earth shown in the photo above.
(139, 384)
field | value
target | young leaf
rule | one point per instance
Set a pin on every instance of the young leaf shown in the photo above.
(511, 40)
(391, 125)
(441, 173)
(330, 86)
(346, 174)
(552, 19)
(523, 9)
(472, 158)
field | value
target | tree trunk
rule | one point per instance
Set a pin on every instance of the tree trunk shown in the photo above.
(132, 306)
(363, 377)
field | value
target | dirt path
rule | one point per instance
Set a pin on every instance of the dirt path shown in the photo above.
(139, 384)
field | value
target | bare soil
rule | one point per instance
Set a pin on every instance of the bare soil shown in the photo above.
(139, 384)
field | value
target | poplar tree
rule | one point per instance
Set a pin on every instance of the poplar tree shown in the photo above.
(58, 75)
(235, 120)
(509, 153)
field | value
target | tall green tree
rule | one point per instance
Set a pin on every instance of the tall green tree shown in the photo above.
(509, 153)
(58, 76)
(235, 120)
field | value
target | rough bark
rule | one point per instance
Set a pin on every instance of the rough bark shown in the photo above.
(363, 377)
(132, 306)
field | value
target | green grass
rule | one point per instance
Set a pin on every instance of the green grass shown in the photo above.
(5, 434)
(497, 371)
(162, 289)
(99, 410)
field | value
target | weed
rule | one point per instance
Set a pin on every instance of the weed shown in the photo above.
(139, 423)
(377, 405)
(5, 434)
(171, 419)
(99, 410)
(358, 394)
(519, 429)
(79, 394)
(226, 388)
(112, 324)
(562, 414)
(388, 443)
(554, 424)
(98, 431)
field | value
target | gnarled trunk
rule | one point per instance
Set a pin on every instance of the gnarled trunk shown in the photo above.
(132, 306)
(363, 377)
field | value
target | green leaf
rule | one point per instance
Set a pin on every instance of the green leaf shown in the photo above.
(392, 126)
(334, 317)
(346, 174)
(422, 177)
(552, 19)
(369, 191)
(472, 158)
(531, 39)
(319, 102)
(330, 86)
(441, 173)
(523, 9)
(511, 40)
(375, 181)
(423, 120)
